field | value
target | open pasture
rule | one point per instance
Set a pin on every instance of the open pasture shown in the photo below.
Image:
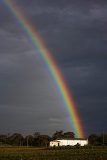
(23, 153)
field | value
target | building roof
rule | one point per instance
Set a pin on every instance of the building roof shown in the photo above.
(55, 141)
(71, 139)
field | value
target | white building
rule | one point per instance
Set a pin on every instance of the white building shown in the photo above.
(69, 142)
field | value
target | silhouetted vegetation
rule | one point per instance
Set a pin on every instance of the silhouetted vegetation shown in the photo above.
(35, 147)
(38, 140)
(97, 140)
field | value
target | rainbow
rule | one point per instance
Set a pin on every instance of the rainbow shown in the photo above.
(52, 67)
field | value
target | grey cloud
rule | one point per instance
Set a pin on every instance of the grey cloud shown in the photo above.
(76, 33)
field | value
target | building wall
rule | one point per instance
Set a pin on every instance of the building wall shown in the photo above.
(73, 142)
(68, 142)
(54, 143)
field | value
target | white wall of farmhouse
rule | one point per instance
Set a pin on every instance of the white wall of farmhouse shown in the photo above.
(55, 143)
(72, 142)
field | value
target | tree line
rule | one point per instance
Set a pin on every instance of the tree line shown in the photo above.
(98, 140)
(39, 140)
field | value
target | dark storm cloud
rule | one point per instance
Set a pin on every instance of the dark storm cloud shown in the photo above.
(66, 27)
(76, 33)
(23, 85)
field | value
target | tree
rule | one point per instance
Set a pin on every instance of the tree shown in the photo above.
(29, 140)
(102, 139)
(57, 135)
(93, 139)
(69, 135)
(16, 139)
(3, 139)
(43, 140)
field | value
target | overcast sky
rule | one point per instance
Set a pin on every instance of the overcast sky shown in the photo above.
(76, 33)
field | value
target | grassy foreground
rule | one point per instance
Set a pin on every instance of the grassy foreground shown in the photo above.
(23, 153)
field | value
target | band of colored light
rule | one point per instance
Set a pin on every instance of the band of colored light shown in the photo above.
(56, 74)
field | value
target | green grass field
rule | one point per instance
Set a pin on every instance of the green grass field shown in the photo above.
(23, 153)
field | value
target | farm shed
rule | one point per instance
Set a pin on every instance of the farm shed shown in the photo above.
(69, 142)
